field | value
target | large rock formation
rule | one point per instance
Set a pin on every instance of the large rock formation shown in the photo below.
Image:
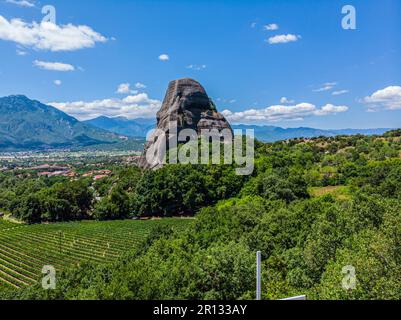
(188, 105)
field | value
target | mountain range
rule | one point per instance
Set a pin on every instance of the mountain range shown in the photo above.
(121, 125)
(272, 133)
(27, 124)
(140, 127)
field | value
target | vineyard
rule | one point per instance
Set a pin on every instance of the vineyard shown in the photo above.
(25, 249)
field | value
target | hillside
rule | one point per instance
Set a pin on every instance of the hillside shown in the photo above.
(20, 265)
(312, 207)
(29, 124)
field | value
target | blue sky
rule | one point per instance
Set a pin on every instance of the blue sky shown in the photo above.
(330, 77)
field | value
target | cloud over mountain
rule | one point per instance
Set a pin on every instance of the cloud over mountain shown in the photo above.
(133, 106)
(282, 113)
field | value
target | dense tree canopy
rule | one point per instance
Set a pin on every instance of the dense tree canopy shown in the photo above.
(312, 207)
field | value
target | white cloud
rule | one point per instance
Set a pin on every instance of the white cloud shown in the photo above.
(339, 92)
(139, 85)
(326, 87)
(22, 3)
(21, 52)
(53, 66)
(164, 57)
(330, 109)
(271, 27)
(49, 36)
(282, 113)
(283, 38)
(138, 99)
(285, 100)
(231, 101)
(134, 106)
(388, 98)
(196, 67)
(57, 82)
(125, 88)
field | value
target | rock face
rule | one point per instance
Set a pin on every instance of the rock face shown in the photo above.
(188, 105)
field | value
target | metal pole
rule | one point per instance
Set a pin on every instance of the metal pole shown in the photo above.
(258, 275)
(295, 298)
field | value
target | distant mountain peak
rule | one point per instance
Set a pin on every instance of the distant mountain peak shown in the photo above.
(122, 125)
(18, 97)
(30, 124)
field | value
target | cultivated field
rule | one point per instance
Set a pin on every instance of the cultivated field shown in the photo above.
(25, 249)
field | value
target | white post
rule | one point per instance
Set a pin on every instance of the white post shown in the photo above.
(295, 298)
(258, 275)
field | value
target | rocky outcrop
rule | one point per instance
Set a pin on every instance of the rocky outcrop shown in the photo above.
(188, 105)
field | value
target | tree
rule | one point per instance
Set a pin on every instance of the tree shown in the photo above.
(114, 206)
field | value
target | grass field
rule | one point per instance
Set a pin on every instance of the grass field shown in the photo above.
(338, 192)
(25, 249)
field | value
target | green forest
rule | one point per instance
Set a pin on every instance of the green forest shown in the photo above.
(312, 206)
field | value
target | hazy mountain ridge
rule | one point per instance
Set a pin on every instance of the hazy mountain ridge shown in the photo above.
(121, 125)
(272, 133)
(140, 127)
